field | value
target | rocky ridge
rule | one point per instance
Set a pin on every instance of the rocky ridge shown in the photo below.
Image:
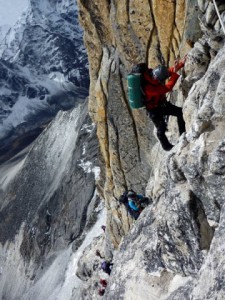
(48, 203)
(175, 247)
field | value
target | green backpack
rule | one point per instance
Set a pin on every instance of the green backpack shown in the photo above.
(135, 93)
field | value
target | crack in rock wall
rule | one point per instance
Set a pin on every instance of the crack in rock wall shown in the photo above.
(173, 248)
(117, 35)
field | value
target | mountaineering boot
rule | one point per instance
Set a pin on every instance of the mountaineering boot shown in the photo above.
(167, 147)
(164, 140)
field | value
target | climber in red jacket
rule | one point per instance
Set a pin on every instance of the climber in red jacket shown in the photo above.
(155, 87)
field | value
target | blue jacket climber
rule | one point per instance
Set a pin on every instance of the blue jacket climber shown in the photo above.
(134, 203)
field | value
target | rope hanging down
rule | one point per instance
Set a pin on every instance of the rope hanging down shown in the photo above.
(219, 16)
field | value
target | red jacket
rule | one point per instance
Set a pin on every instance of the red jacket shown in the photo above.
(155, 91)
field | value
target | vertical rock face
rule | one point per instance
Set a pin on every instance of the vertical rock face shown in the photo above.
(173, 249)
(119, 34)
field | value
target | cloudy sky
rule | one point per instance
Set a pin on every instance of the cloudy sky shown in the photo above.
(10, 10)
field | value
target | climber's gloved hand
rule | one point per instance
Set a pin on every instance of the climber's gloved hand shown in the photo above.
(179, 63)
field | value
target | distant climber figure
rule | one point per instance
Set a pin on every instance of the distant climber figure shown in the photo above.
(106, 266)
(103, 227)
(103, 282)
(101, 292)
(155, 88)
(134, 202)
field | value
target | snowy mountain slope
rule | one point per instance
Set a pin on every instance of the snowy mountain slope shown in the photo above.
(43, 69)
(3, 30)
(48, 203)
(11, 11)
(57, 17)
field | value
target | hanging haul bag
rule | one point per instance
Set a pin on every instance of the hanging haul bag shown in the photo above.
(135, 95)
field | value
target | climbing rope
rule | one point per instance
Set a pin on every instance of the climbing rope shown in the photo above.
(219, 16)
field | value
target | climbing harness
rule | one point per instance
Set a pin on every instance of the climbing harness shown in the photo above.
(219, 16)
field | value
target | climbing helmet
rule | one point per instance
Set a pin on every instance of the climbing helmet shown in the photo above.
(131, 195)
(161, 73)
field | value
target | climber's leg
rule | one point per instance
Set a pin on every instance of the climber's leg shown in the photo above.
(158, 119)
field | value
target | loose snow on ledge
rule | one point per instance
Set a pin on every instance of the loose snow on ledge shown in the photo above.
(60, 279)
